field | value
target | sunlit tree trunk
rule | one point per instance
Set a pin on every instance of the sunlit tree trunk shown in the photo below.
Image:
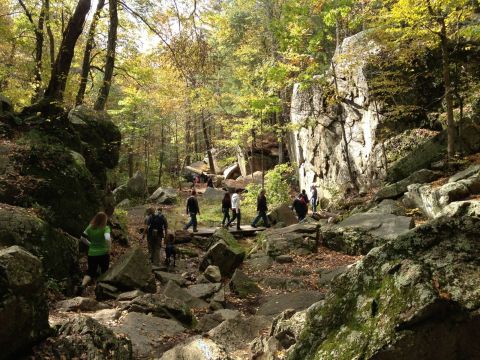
(208, 143)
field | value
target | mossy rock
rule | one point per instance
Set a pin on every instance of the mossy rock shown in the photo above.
(416, 297)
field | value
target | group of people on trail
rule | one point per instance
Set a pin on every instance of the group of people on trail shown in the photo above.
(300, 203)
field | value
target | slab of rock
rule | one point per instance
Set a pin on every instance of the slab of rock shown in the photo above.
(283, 241)
(106, 316)
(261, 263)
(212, 273)
(204, 291)
(209, 321)
(465, 174)
(147, 333)
(130, 272)
(284, 259)
(174, 291)
(213, 195)
(396, 190)
(328, 275)
(162, 306)
(81, 304)
(227, 254)
(282, 214)
(462, 208)
(129, 295)
(282, 283)
(242, 285)
(234, 334)
(23, 305)
(165, 277)
(197, 348)
(388, 206)
(166, 196)
(401, 298)
(297, 301)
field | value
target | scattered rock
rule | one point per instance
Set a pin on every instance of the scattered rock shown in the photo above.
(209, 321)
(297, 301)
(282, 214)
(129, 295)
(328, 275)
(165, 277)
(242, 285)
(204, 291)
(283, 241)
(212, 273)
(165, 196)
(402, 297)
(81, 304)
(197, 348)
(260, 263)
(284, 259)
(282, 283)
(23, 306)
(174, 291)
(147, 333)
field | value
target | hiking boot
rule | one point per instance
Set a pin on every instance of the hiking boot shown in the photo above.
(195, 230)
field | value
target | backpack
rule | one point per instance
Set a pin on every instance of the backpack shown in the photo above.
(157, 222)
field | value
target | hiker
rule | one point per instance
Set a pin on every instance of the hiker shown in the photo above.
(97, 237)
(305, 198)
(262, 209)
(157, 227)
(226, 205)
(236, 209)
(314, 198)
(300, 207)
(210, 182)
(192, 210)
(170, 251)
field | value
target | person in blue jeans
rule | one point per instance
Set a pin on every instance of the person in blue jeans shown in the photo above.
(192, 210)
(314, 198)
(226, 205)
(262, 209)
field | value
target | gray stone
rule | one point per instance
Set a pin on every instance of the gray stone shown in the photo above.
(242, 285)
(282, 283)
(388, 206)
(23, 305)
(259, 263)
(383, 226)
(80, 304)
(106, 316)
(213, 195)
(399, 188)
(209, 321)
(462, 208)
(284, 259)
(282, 241)
(129, 295)
(120, 193)
(297, 301)
(329, 274)
(212, 273)
(282, 214)
(174, 291)
(234, 334)
(232, 172)
(464, 174)
(165, 277)
(149, 334)
(162, 306)
(137, 185)
(165, 196)
(408, 293)
(124, 204)
(204, 291)
(130, 272)
(219, 296)
(197, 348)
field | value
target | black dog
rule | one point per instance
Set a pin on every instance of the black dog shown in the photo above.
(170, 251)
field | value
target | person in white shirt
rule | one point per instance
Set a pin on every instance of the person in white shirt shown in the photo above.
(236, 209)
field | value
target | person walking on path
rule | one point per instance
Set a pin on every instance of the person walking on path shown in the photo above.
(210, 182)
(236, 210)
(305, 198)
(97, 237)
(300, 207)
(193, 210)
(157, 228)
(314, 198)
(262, 209)
(226, 205)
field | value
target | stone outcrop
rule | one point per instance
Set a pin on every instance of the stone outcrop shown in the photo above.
(242, 285)
(396, 190)
(282, 215)
(23, 304)
(414, 297)
(298, 238)
(318, 146)
(165, 196)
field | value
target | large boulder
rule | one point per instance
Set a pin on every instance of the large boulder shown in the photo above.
(296, 300)
(226, 253)
(359, 233)
(137, 185)
(300, 238)
(415, 297)
(462, 208)
(165, 196)
(130, 272)
(399, 188)
(197, 348)
(283, 215)
(23, 304)
(83, 336)
(57, 250)
(213, 195)
(172, 290)
(242, 285)
(232, 172)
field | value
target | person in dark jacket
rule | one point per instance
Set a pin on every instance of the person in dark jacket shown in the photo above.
(262, 209)
(192, 210)
(300, 207)
(226, 205)
(157, 228)
(210, 182)
(305, 198)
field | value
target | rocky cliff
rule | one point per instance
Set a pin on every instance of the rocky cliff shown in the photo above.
(317, 144)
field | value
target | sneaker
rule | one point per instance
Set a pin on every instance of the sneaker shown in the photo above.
(195, 230)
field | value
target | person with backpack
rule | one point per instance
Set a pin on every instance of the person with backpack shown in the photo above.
(300, 207)
(157, 228)
(305, 198)
(193, 210)
(236, 209)
(226, 205)
(97, 237)
(262, 209)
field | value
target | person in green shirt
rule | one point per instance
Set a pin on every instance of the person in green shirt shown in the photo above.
(97, 237)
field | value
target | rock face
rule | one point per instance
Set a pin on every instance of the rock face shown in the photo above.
(416, 297)
(318, 145)
(58, 251)
(213, 195)
(23, 305)
(399, 188)
(136, 185)
(164, 196)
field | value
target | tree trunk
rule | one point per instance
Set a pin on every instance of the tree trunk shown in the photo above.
(63, 62)
(51, 38)
(451, 132)
(208, 143)
(110, 59)
(162, 154)
(130, 162)
(87, 54)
